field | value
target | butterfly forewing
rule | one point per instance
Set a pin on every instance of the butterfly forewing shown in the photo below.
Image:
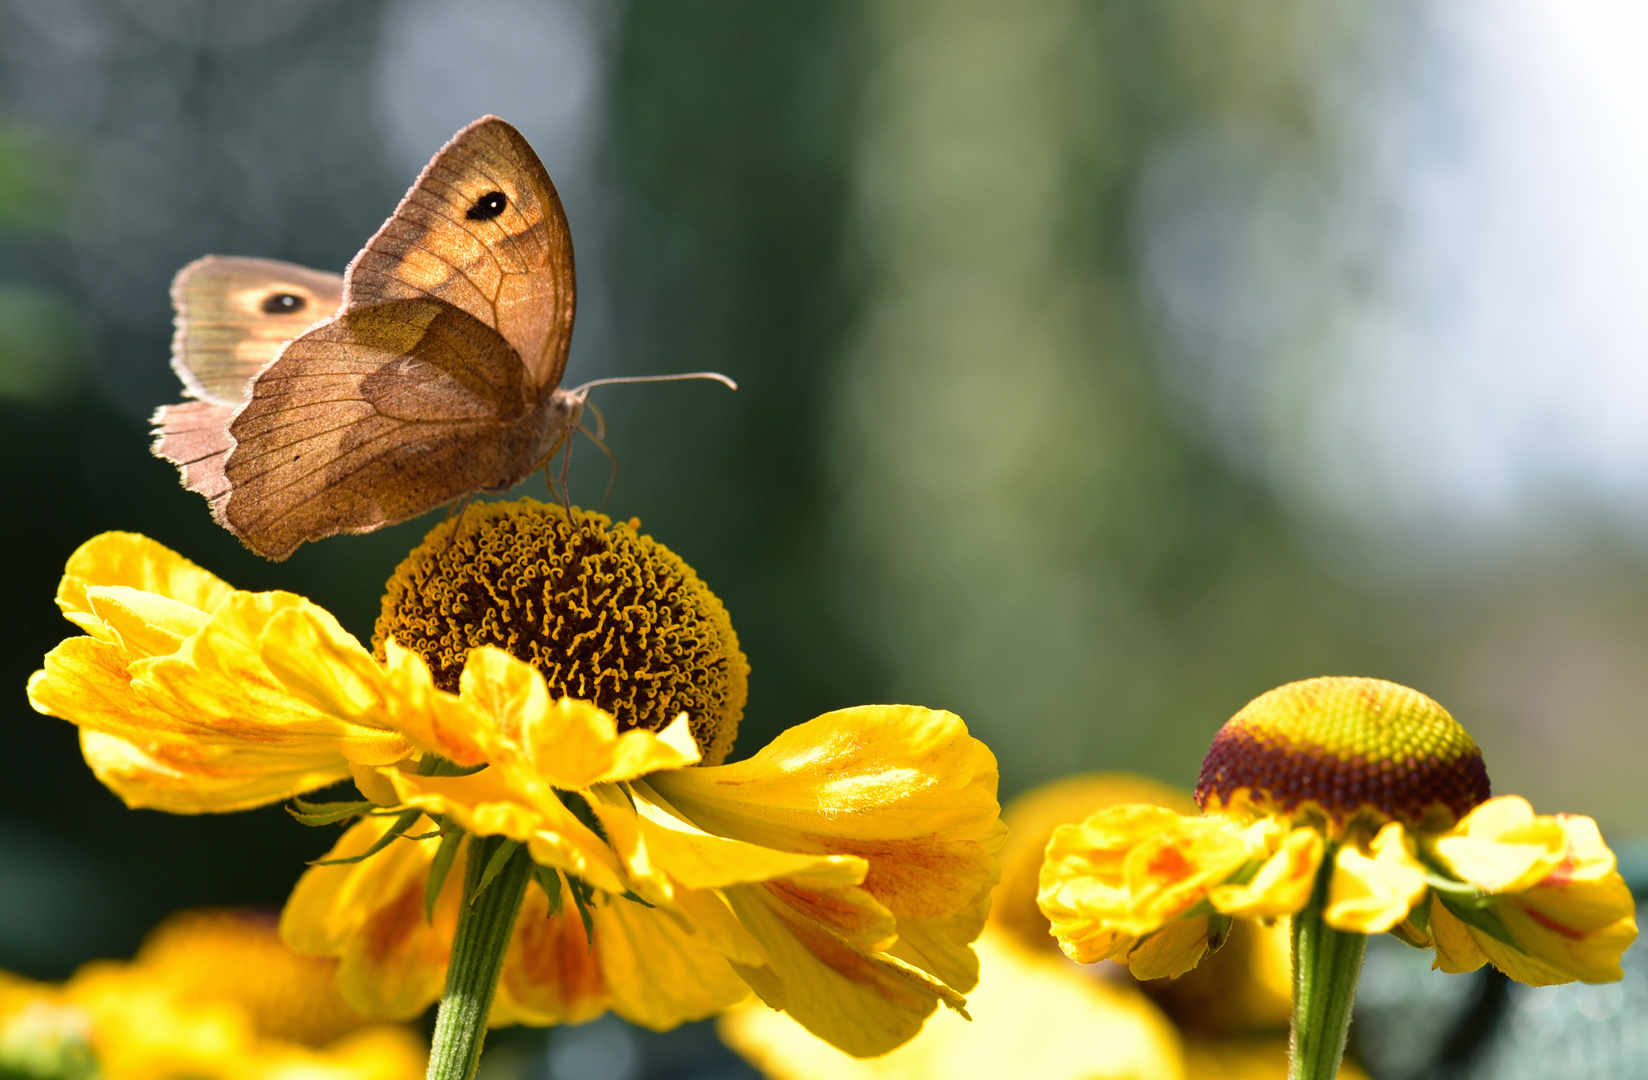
(482, 229)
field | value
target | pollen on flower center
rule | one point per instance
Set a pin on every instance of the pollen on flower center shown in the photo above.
(606, 615)
(1345, 746)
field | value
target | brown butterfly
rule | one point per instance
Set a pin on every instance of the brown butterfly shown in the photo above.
(433, 373)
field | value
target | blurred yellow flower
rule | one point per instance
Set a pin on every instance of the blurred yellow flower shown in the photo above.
(840, 873)
(1037, 1014)
(211, 996)
(1378, 779)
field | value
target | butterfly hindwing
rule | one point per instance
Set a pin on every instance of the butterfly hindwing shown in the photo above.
(482, 229)
(232, 315)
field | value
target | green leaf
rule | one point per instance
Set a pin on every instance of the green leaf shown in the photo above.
(402, 823)
(500, 856)
(451, 838)
(328, 813)
(1218, 932)
(629, 894)
(549, 880)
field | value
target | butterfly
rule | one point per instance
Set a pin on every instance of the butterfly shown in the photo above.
(431, 370)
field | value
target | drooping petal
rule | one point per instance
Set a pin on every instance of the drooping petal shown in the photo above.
(1369, 894)
(906, 789)
(370, 915)
(863, 1004)
(1456, 947)
(659, 970)
(1170, 951)
(1035, 1016)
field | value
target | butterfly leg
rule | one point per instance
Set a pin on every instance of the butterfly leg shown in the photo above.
(612, 480)
(462, 505)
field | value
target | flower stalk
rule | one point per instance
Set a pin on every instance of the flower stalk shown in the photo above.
(485, 923)
(1326, 966)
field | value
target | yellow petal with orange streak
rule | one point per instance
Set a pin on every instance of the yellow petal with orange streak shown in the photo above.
(551, 973)
(1370, 893)
(219, 678)
(151, 756)
(905, 788)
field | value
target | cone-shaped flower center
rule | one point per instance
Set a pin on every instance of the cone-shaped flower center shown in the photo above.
(1342, 747)
(606, 615)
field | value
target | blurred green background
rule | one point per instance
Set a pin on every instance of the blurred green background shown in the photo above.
(1101, 364)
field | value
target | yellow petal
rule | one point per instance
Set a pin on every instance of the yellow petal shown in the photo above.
(863, 1004)
(1502, 846)
(1456, 948)
(434, 720)
(905, 788)
(188, 777)
(136, 562)
(1035, 1016)
(942, 946)
(1170, 951)
(491, 803)
(143, 623)
(659, 971)
(1369, 895)
(1283, 884)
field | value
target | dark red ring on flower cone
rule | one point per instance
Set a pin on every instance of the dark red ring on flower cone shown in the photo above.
(1273, 749)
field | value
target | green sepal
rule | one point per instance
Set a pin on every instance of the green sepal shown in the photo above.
(435, 765)
(629, 894)
(500, 856)
(549, 880)
(1420, 917)
(582, 893)
(1218, 932)
(402, 823)
(328, 813)
(583, 812)
(1477, 915)
(451, 838)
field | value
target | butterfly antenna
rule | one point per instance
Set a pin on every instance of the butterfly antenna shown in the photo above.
(612, 480)
(566, 466)
(715, 375)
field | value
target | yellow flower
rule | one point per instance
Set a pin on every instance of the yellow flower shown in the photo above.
(1378, 779)
(212, 995)
(1037, 1014)
(840, 873)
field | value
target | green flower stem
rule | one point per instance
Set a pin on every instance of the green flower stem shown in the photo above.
(1326, 966)
(485, 922)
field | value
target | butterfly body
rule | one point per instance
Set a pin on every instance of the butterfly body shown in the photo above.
(432, 373)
